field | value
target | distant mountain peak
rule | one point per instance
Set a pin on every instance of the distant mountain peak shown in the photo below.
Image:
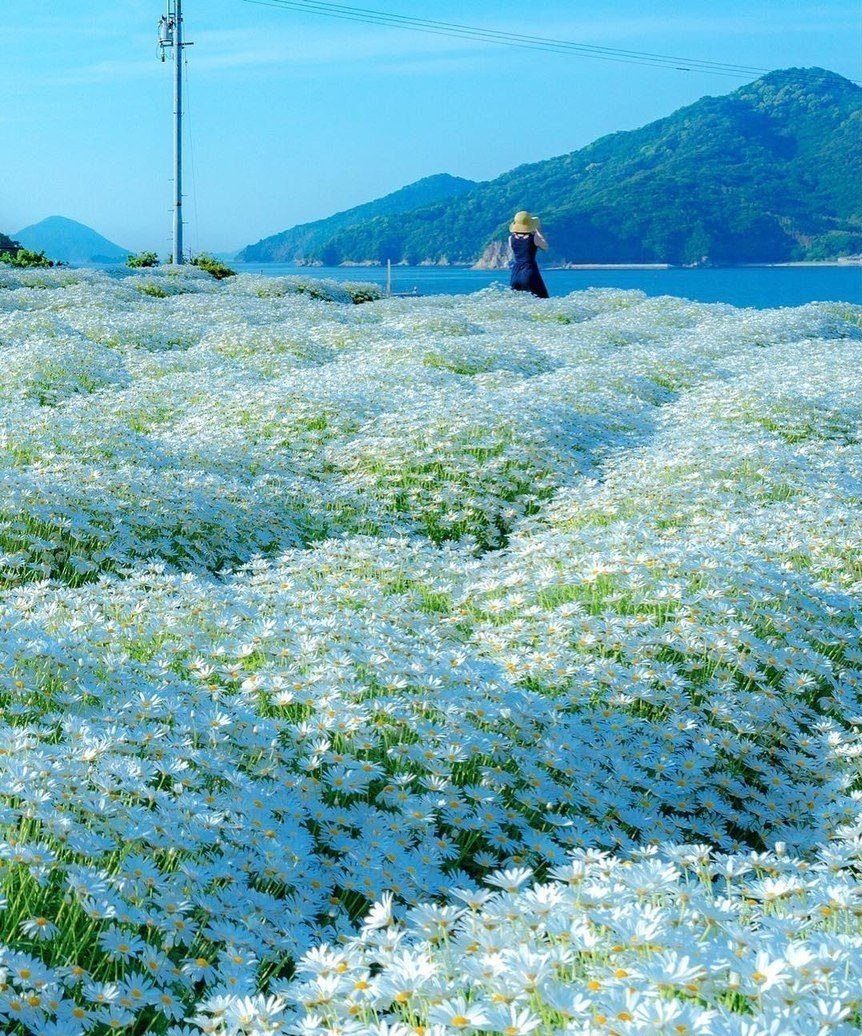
(68, 241)
(60, 221)
(787, 86)
(804, 76)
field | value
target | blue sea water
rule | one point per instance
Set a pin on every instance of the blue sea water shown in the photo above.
(761, 287)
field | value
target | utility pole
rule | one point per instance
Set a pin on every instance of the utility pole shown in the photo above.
(171, 35)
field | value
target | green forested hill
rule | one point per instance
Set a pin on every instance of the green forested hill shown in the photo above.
(768, 173)
(7, 244)
(311, 240)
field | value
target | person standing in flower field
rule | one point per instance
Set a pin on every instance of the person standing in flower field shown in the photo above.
(525, 240)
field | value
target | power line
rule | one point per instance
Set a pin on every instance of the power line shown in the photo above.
(511, 39)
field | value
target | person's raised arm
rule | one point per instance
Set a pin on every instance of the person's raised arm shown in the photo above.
(539, 239)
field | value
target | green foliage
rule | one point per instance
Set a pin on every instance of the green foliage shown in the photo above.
(26, 258)
(213, 266)
(153, 290)
(835, 242)
(142, 260)
(362, 292)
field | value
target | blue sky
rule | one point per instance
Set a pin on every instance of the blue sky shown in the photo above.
(293, 116)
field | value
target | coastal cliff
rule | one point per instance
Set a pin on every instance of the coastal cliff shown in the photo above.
(496, 256)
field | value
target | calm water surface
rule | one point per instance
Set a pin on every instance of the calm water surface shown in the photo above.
(758, 287)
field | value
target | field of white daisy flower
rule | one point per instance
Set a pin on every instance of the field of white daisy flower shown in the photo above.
(429, 666)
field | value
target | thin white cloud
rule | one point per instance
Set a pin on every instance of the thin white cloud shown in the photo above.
(103, 71)
(324, 44)
(293, 53)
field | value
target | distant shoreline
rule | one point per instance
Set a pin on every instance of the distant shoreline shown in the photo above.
(609, 266)
(854, 263)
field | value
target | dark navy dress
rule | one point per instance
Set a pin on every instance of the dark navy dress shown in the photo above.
(525, 269)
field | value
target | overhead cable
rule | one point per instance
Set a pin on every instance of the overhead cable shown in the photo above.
(511, 39)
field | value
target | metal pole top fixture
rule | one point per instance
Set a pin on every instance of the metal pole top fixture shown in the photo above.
(167, 24)
(170, 28)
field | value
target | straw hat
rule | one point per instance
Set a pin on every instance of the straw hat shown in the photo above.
(523, 223)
